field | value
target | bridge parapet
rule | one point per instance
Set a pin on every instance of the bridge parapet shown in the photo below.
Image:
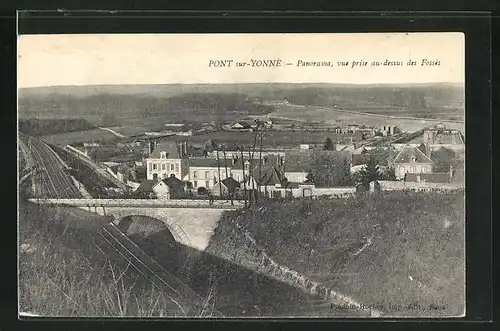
(179, 203)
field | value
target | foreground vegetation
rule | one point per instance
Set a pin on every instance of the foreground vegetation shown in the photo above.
(393, 249)
(63, 273)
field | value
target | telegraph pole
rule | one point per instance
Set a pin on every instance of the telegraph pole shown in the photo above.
(227, 176)
(250, 174)
(260, 161)
(218, 170)
(244, 179)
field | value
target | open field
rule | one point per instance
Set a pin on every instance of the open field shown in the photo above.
(398, 248)
(66, 138)
(339, 117)
(271, 139)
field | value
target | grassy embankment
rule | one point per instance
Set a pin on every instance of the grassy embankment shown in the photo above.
(395, 249)
(62, 272)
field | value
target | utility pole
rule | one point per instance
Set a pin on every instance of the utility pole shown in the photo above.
(244, 179)
(218, 170)
(260, 161)
(250, 174)
(227, 176)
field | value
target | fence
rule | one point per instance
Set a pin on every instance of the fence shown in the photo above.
(419, 187)
(154, 203)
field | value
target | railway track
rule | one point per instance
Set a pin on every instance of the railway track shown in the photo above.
(55, 183)
(117, 245)
(49, 171)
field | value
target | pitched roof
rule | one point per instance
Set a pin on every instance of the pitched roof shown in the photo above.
(146, 186)
(170, 147)
(406, 154)
(231, 183)
(208, 162)
(428, 177)
(244, 124)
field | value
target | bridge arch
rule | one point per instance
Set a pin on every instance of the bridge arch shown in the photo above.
(175, 229)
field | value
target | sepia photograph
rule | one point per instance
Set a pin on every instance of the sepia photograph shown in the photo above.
(277, 175)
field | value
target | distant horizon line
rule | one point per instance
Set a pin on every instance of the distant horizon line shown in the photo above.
(246, 83)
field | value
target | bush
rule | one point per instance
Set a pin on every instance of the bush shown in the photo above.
(400, 236)
(63, 273)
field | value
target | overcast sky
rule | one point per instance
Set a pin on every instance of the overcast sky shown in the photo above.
(50, 60)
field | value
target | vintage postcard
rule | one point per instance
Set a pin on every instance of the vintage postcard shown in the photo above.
(242, 175)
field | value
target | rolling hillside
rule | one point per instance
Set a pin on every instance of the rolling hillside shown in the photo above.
(109, 105)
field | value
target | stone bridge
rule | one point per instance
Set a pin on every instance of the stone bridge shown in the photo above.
(191, 222)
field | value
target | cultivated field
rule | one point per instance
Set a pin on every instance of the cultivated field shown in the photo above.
(66, 138)
(339, 117)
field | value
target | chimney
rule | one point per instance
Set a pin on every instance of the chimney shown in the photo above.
(180, 149)
(428, 150)
(151, 146)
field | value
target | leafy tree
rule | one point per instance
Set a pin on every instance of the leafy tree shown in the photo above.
(328, 146)
(345, 173)
(381, 156)
(329, 170)
(391, 174)
(443, 158)
(309, 179)
(369, 173)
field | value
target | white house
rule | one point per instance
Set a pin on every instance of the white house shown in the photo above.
(161, 190)
(165, 160)
(204, 172)
(411, 160)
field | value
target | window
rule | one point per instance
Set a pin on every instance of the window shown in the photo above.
(413, 170)
(162, 155)
(195, 184)
(155, 166)
(206, 174)
(195, 175)
(172, 167)
(163, 166)
(150, 167)
(177, 167)
(207, 184)
(402, 171)
(424, 169)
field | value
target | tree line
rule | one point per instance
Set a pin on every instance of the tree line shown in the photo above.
(40, 127)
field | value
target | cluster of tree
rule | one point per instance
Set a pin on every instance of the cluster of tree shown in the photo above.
(40, 127)
(445, 157)
(373, 172)
(328, 145)
(329, 170)
(405, 97)
(217, 103)
(110, 109)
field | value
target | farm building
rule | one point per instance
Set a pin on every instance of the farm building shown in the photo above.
(411, 160)
(169, 188)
